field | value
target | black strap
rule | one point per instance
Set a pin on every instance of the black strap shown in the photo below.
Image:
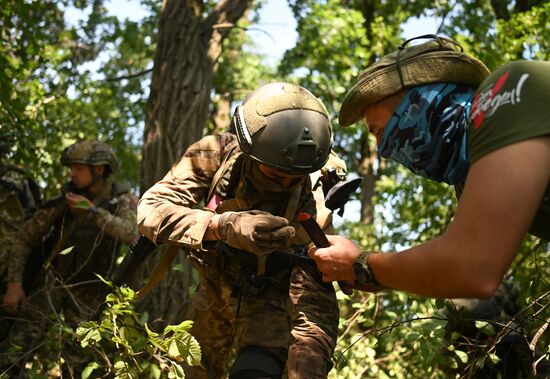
(439, 39)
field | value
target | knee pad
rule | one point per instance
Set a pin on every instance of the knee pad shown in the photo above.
(254, 362)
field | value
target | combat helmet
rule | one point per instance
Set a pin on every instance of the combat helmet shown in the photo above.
(92, 153)
(284, 126)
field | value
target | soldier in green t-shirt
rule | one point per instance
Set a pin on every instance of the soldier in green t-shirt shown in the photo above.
(440, 113)
(443, 115)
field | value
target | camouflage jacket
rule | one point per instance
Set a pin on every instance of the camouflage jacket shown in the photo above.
(114, 219)
(19, 199)
(169, 211)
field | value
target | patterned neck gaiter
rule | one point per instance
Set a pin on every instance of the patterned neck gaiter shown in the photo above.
(427, 132)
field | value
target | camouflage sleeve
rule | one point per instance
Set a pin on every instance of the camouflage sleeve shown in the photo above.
(121, 225)
(12, 216)
(165, 211)
(29, 236)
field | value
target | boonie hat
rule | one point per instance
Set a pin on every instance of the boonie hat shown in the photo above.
(438, 60)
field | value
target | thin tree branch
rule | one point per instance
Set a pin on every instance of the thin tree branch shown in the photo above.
(130, 76)
(538, 334)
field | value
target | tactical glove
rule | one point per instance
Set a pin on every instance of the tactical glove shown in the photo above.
(257, 232)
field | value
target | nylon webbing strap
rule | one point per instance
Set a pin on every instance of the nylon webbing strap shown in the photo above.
(162, 266)
(292, 205)
(290, 213)
(223, 167)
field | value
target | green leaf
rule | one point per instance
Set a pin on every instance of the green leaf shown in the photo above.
(176, 372)
(89, 369)
(193, 349)
(174, 351)
(455, 335)
(462, 356)
(82, 204)
(178, 267)
(494, 358)
(144, 318)
(66, 251)
(181, 327)
(88, 334)
(155, 371)
(440, 303)
(486, 327)
(110, 284)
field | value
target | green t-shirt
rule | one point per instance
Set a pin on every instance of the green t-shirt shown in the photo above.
(512, 105)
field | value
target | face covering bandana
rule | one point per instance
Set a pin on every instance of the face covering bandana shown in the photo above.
(259, 188)
(427, 132)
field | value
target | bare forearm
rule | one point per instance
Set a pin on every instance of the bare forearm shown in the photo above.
(433, 269)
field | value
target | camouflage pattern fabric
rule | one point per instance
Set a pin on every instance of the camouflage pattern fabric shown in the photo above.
(118, 223)
(427, 132)
(17, 203)
(289, 311)
(67, 289)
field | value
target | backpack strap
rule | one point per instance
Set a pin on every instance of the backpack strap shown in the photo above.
(229, 152)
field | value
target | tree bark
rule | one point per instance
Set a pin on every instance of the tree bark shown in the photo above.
(366, 170)
(368, 153)
(188, 48)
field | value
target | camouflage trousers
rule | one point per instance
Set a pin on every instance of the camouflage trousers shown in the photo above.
(297, 322)
(39, 332)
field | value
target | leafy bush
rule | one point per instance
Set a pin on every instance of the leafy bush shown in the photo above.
(121, 343)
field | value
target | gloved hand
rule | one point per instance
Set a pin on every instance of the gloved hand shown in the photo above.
(257, 232)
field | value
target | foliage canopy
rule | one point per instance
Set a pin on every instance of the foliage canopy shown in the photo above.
(69, 69)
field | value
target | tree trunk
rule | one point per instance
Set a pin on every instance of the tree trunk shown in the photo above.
(366, 170)
(189, 45)
(368, 152)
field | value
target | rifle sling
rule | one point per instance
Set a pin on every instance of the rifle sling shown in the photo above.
(158, 273)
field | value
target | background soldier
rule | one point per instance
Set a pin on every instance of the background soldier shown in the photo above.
(254, 184)
(19, 199)
(92, 217)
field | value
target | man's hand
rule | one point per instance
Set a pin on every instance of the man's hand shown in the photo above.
(78, 203)
(336, 261)
(254, 231)
(14, 298)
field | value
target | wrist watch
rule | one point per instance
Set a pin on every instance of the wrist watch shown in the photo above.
(362, 271)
